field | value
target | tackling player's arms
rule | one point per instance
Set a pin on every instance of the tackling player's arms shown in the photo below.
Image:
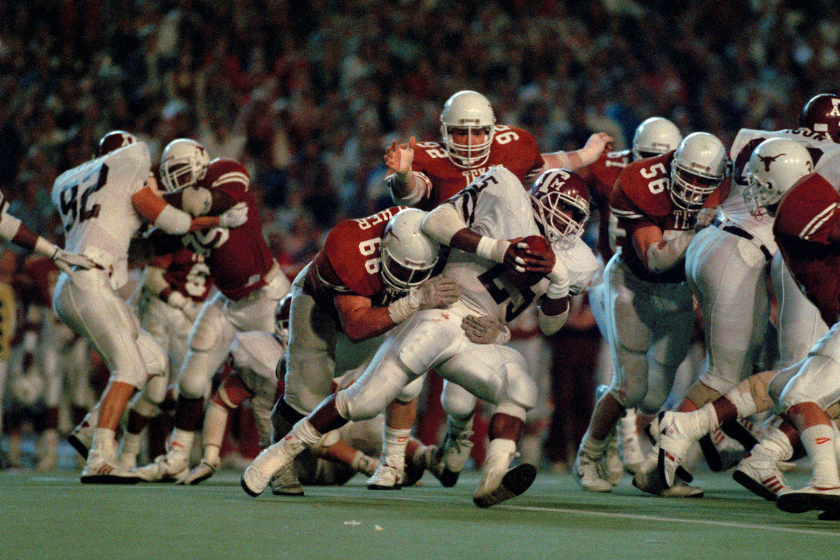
(359, 319)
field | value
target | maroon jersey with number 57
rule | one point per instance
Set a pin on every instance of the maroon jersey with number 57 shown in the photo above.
(349, 261)
(238, 258)
(807, 214)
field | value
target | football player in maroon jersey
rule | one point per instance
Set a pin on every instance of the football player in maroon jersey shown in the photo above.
(372, 274)
(649, 309)
(243, 269)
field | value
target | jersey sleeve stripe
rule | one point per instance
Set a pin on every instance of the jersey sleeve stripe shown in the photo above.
(818, 221)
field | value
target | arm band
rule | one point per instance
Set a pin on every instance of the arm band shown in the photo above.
(403, 308)
(550, 324)
(442, 223)
(492, 249)
(9, 226)
(665, 256)
(172, 220)
(42, 246)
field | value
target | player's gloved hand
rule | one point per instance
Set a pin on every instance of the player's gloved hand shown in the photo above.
(483, 329)
(66, 261)
(704, 218)
(558, 279)
(531, 261)
(436, 292)
(399, 159)
(234, 217)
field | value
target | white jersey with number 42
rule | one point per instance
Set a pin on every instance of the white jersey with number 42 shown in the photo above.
(94, 200)
(497, 205)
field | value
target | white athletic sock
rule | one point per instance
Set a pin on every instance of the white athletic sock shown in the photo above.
(775, 447)
(818, 441)
(393, 446)
(700, 422)
(181, 441)
(104, 441)
(591, 447)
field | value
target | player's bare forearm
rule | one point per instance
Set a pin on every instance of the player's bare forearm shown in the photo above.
(359, 319)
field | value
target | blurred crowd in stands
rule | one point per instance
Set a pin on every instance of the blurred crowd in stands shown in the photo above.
(307, 94)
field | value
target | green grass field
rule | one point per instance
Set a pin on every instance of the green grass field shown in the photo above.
(54, 516)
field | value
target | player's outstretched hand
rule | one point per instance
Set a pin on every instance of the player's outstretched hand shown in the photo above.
(438, 292)
(399, 159)
(235, 216)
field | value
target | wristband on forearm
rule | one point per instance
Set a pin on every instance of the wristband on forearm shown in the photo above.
(404, 308)
(492, 249)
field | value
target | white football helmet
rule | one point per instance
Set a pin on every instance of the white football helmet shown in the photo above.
(407, 254)
(114, 140)
(655, 136)
(471, 111)
(700, 165)
(183, 163)
(775, 165)
(560, 200)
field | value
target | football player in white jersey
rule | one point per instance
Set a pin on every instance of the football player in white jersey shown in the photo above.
(495, 204)
(102, 204)
(727, 266)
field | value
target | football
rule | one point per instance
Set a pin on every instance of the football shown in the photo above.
(536, 244)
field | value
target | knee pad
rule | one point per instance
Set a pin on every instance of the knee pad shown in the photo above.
(457, 401)
(632, 381)
(778, 382)
(155, 359)
(511, 409)
(520, 387)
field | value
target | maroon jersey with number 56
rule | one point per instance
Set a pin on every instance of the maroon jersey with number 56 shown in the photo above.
(238, 258)
(349, 261)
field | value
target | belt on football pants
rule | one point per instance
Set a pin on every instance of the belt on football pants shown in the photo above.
(735, 230)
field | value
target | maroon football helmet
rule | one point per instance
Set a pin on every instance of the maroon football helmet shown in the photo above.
(560, 200)
(822, 114)
(114, 140)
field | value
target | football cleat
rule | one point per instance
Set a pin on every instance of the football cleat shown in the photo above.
(452, 457)
(81, 438)
(682, 490)
(673, 448)
(271, 460)
(613, 465)
(810, 498)
(165, 468)
(286, 483)
(590, 474)
(721, 451)
(386, 477)
(760, 477)
(500, 484)
(99, 470)
(423, 459)
(199, 474)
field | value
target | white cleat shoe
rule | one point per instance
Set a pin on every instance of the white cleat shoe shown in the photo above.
(497, 485)
(811, 498)
(81, 438)
(199, 474)
(286, 483)
(386, 477)
(452, 457)
(673, 448)
(760, 474)
(99, 470)
(259, 473)
(647, 479)
(590, 475)
(171, 467)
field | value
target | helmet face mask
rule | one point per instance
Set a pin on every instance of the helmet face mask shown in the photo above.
(466, 116)
(183, 163)
(282, 315)
(407, 255)
(774, 166)
(560, 200)
(655, 136)
(699, 166)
